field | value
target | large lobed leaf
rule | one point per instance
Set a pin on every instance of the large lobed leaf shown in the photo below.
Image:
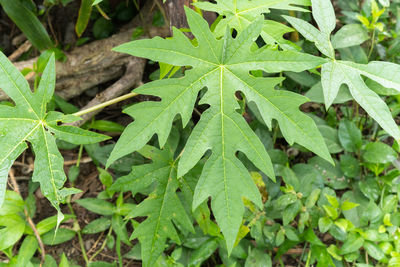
(162, 207)
(28, 122)
(334, 73)
(239, 14)
(222, 65)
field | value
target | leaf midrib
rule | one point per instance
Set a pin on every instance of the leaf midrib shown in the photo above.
(159, 218)
(223, 140)
(52, 180)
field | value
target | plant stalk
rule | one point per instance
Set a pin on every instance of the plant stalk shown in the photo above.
(77, 227)
(372, 44)
(105, 104)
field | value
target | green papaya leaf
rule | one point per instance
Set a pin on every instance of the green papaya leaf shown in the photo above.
(320, 39)
(337, 72)
(239, 15)
(28, 121)
(223, 66)
(324, 15)
(162, 207)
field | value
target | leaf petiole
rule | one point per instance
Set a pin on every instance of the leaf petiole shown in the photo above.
(105, 104)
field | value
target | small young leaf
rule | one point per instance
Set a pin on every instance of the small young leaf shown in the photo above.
(64, 261)
(349, 136)
(331, 212)
(332, 200)
(290, 212)
(12, 227)
(353, 243)
(378, 152)
(97, 206)
(334, 252)
(347, 205)
(258, 258)
(27, 250)
(97, 226)
(49, 223)
(350, 166)
(324, 224)
(374, 250)
(54, 238)
(203, 252)
(76, 135)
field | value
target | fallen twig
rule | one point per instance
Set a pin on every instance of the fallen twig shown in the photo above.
(94, 63)
(22, 49)
(74, 161)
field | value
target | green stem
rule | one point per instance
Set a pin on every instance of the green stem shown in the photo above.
(372, 44)
(78, 162)
(302, 254)
(275, 134)
(77, 228)
(308, 258)
(105, 104)
(356, 107)
(118, 249)
(102, 12)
